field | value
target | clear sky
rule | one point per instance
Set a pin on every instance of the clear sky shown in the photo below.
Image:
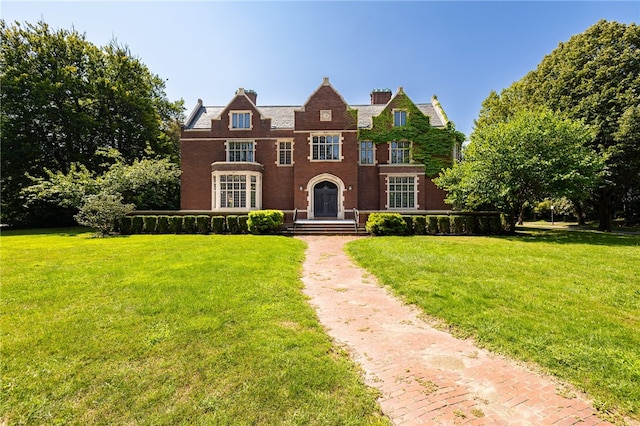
(457, 50)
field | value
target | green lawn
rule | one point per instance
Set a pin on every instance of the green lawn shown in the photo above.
(167, 329)
(569, 301)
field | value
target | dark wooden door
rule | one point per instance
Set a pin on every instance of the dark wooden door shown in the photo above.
(325, 196)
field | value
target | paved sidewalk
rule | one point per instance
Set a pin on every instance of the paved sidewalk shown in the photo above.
(426, 376)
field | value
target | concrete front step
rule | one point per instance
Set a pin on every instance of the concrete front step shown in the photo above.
(325, 227)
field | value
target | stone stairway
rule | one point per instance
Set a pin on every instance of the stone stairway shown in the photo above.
(325, 227)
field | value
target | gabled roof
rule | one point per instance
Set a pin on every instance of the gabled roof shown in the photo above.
(283, 117)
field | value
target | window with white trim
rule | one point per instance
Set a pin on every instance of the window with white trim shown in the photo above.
(400, 152)
(367, 156)
(325, 147)
(401, 191)
(399, 117)
(285, 153)
(240, 151)
(240, 120)
(235, 191)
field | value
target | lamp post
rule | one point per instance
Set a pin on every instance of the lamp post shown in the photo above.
(552, 207)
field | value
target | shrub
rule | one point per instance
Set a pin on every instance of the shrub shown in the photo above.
(242, 224)
(162, 226)
(386, 224)
(432, 225)
(457, 224)
(444, 225)
(232, 224)
(137, 225)
(419, 225)
(203, 224)
(124, 225)
(265, 221)
(175, 224)
(189, 224)
(408, 220)
(217, 224)
(102, 211)
(483, 225)
(149, 224)
(470, 222)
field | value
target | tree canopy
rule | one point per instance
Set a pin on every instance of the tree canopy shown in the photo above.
(531, 156)
(594, 77)
(64, 98)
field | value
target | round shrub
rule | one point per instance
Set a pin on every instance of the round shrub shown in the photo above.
(125, 225)
(242, 224)
(162, 226)
(432, 225)
(419, 225)
(386, 224)
(265, 221)
(203, 224)
(408, 220)
(444, 225)
(457, 224)
(137, 225)
(189, 224)
(232, 224)
(175, 224)
(149, 224)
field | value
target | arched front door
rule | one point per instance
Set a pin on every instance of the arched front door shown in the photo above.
(325, 199)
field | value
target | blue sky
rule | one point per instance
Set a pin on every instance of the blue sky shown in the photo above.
(457, 50)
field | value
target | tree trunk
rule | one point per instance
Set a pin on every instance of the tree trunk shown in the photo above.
(577, 206)
(604, 210)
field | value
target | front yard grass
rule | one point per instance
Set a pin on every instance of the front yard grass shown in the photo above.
(569, 301)
(167, 329)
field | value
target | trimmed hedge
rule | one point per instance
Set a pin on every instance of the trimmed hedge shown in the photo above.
(137, 224)
(419, 225)
(457, 224)
(124, 224)
(162, 225)
(203, 224)
(408, 220)
(232, 224)
(189, 224)
(386, 224)
(265, 221)
(242, 224)
(432, 225)
(217, 224)
(175, 224)
(149, 224)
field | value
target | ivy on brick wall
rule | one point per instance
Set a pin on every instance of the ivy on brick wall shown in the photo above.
(431, 146)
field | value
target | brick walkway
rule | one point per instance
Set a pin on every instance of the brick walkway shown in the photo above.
(426, 376)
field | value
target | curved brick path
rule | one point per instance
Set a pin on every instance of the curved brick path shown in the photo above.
(426, 376)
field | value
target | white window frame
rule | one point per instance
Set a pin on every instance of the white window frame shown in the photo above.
(231, 151)
(320, 146)
(252, 191)
(279, 152)
(403, 116)
(372, 149)
(233, 114)
(395, 150)
(411, 195)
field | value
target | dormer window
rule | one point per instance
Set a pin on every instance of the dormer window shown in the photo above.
(240, 120)
(399, 118)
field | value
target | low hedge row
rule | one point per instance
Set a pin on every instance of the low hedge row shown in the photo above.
(256, 222)
(449, 224)
(188, 224)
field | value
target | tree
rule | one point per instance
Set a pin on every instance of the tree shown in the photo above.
(63, 98)
(594, 77)
(147, 184)
(532, 156)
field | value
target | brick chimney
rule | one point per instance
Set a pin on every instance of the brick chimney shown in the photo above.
(251, 94)
(380, 96)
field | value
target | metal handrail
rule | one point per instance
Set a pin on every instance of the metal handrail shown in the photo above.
(356, 218)
(295, 218)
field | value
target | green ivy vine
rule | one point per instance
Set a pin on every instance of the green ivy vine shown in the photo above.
(431, 146)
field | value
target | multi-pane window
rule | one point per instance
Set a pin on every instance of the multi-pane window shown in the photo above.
(400, 152)
(285, 151)
(325, 147)
(399, 118)
(241, 120)
(402, 192)
(366, 152)
(240, 151)
(234, 191)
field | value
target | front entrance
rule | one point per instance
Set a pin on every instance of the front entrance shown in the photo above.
(325, 199)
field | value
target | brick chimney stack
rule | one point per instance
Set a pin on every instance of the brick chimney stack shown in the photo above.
(380, 96)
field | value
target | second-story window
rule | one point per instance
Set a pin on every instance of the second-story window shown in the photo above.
(285, 153)
(399, 118)
(400, 152)
(366, 153)
(240, 120)
(325, 147)
(240, 151)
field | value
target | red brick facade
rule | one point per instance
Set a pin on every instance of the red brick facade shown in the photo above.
(245, 157)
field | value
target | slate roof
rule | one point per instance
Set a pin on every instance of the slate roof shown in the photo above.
(282, 117)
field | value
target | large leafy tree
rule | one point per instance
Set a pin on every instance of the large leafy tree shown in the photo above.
(63, 99)
(595, 77)
(531, 156)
